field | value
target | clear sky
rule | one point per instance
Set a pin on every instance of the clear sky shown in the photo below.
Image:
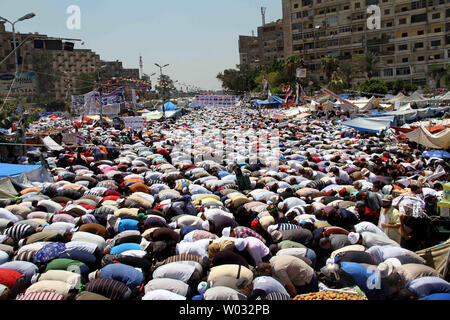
(198, 38)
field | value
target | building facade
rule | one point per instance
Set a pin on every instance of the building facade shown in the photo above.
(249, 52)
(66, 65)
(264, 48)
(116, 69)
(413, 36)
(271, 42)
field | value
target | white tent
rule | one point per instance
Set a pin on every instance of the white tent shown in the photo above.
(399, 97)
(415, 97)
(445, 97)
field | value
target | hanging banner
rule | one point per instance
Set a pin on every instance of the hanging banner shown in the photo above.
(69, 138)
(111, 110)
(24, 85)
(133, 122)
(78, 105)
(301, 73)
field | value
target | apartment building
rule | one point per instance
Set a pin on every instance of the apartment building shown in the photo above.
(414, 35)
(66, 65)
(116, 69)
(264, 48)
(270, 38)
(71, 64)
(249, 51)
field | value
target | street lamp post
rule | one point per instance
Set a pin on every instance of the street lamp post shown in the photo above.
(20, 111)
(164, 89)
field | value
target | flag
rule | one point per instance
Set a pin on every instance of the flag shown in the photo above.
(297, 93)
(265, 82)
(288, 95)
(286, 88)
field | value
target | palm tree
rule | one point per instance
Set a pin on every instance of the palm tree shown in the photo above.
(329, 65)
(291, 64)
(370, 62)
(347, 71)
(440, 72)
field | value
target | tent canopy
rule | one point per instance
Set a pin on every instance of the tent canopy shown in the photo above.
(169, 106)
(415, 97)
(8, 169)
(274, 102)
(375, 124)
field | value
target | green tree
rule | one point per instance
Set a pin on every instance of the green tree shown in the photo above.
(329, 64)
(86, 82)
(347, 71)
(370, 86)
(368, 63)
(240, 80)
(337, 84)
(439, 73)
(42, 61)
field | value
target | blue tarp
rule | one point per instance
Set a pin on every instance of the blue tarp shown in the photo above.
(169, 106)
(8, 169)
(375, 124)
(273, 103)
(441, 154)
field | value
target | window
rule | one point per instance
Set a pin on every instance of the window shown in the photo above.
(346, 7)
(418, 45)
(405, 60)
(402, 21)
(435, 43)
(357, 5)
(421, 58)
(332, 43)
(437, 56)
(419, 18)
(389, 24)
(332, 20)
(388, 72)
(404, 9)
(296, 6)
(387, 11)
(345, 29)
(296, 26)
(404, 34)
(297, 36)
(435, 15)
(437, 30)
(420, 32)
(403, 71)
(403, 47)
(306, 2)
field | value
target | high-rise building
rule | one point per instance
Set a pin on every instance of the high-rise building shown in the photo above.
(264, 48)
(249, 50)
(413, 35)
(116, 69)
(66, 65)
(270, 37)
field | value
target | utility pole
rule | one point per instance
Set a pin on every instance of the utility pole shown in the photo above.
(164, 88)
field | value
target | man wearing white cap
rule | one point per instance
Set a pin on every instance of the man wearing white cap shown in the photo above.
(255, 247)
(295, 274)
(369, 239)
(390, 219)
